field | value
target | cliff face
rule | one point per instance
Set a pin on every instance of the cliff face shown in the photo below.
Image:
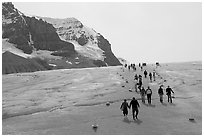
(86, 40)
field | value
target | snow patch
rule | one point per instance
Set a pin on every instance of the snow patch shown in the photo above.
(89, 50)
(53, 65)
(6, 46)
(68, 62)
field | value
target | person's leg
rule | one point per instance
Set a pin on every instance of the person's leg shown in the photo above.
(170, 98)
(133, 113)
(143, 99)
(150, 99)
(137, 111)
(161, 98)
(148, 96)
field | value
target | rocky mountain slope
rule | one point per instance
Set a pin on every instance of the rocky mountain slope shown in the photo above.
(61, 43)
(12, 63)
(86, 40)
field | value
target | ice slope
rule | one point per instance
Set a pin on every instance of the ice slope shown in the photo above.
(71, 101)
(90, 51)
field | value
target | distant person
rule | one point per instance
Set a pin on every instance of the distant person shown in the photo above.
(129, 67)
(140, 84)
(168, 93)
(145, 74)
(150, 76)
(143, 93)
(124, 107)
(135, 105)
(139, 64)
(154, 75)
(141, 68)
(125, 65)
(161, 93)
(149, 94)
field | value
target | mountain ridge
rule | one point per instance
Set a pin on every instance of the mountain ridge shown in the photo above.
(62, 40)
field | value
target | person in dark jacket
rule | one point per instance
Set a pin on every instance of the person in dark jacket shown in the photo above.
(143, 93)
(145, 73)
(149, 94)
(150, 76)
(154, 75)
(161, 93)
(168, 93)
(124, 107)
(135, 105)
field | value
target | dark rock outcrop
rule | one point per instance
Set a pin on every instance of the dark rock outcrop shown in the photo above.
(110, 59)
(12, 63)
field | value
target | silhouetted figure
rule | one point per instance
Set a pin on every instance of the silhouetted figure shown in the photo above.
(161, 93)
(168, 93)
(135, 105)
(143, 93)
(129, 67)
(150, 76)
(125, 65)
(154, 75)
(124, 107)
(139, 64)
(149, 94)
(141, 68)
(145, 73)
(140, 83)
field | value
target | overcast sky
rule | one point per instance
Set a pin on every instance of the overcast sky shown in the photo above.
(138, 32)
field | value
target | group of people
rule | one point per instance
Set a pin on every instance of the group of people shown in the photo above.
(144, 92)
(134, 104)
(133, 66)
(168, 93)
(153, 74)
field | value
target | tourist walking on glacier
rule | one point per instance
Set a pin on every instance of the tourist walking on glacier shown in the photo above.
(143, 93)
(145, 74)
(154, 75)
(150, 76)
(140, 83)
(168, 93)
(135, 105)
(161, 93)
(149, 94)
(124, 107)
